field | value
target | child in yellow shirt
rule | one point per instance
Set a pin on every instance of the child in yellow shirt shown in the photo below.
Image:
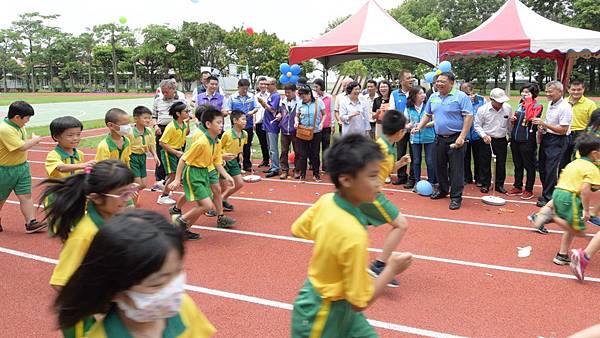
(172, 142)
(65, 159)
(232, 143)
(142, 141)
(116, 144)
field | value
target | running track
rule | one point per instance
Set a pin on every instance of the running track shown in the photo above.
(466, 279)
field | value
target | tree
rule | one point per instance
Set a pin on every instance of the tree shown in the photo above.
(112, 34)
(10, 48)
(152, 53)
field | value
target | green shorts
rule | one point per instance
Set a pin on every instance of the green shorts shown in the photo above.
(169, 161)
(233, 167)
(567, 206)
(196, 183)
(313, 316)
(213, 177)
(381, 211)
(137, 163)
(15, 178)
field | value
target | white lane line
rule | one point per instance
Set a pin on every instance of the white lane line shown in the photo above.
(254, 300)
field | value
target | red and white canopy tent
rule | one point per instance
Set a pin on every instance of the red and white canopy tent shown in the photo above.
(370, 33)
(517, 31)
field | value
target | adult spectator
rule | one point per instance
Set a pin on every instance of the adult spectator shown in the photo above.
(161, 117)
(338, 99)
(381, 105)
(423, 140)
(354, 112)
(287, 117)
(169, 77)
(474, 141)
(305, 116)
(328, 122)
(244, 101)
(369, 97)
(452, 111)
(271, 125)
(263, 94)
(201, 87)
(555, 129)
(493, 123)
(211, 95)
(582, 112)
(398, 102)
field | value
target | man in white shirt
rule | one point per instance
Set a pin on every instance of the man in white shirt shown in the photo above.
(492, 123)
(338, 99)
(263, 94)
(369, 97)
(555, 127)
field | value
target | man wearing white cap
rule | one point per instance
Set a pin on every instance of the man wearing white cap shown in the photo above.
(492, 123)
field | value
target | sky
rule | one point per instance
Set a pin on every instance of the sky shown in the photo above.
(289, 21)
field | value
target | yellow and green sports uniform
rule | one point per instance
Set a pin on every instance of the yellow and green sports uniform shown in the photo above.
(71, 256)
(141, 143)
(108, 150)
(233, 143)
(567, 203)
(203, 154)
(382, 211)
(337, 272)
(14, 168)
(190, 322)
(59, 156)
(174, 135)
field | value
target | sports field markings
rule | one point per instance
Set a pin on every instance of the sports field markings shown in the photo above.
(254, 300)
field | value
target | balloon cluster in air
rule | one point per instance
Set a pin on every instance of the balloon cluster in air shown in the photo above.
(443, 67)
(289, 74)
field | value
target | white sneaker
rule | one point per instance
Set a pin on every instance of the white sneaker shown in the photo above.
(160, 185)
(388, 180)
(165, 200)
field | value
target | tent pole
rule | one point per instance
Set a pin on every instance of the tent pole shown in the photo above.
(325, 78)
(508, 71)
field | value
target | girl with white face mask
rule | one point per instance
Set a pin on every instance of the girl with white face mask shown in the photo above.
(133, 274)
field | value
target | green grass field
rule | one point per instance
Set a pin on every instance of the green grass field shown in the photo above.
(45, 130)
(38, 98)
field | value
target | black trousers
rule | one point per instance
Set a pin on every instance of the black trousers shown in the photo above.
(247, 164)
(262, 139)
(325, 142)
(288, 142)
(500, 148)
(309, 149)
(569, 154)
(449, 165)
(552, 150)
(473, 148)
(160, 170)
(402, 148)
(524, 157)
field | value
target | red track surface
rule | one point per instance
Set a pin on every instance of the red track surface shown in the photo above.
(466, 280)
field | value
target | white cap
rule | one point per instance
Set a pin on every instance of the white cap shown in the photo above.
(498, 95)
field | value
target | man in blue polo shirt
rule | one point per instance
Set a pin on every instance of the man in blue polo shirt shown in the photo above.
(398, 102)
(244, 101)
(453, 113)
(211, 96)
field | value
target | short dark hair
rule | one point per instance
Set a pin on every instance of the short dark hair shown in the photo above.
(236, 114)
(320, 83)
(20, 108)
(349, 155)
(113, 114)
(204, 72)
(60, 124)
(200, 110)
(393, 121)
(210, 114)
(533, 88)
(577, 82)
(586, 143)
(305, 89)
(373, 82)
(412, 95)
(386, 82)
(177, 107)
(302, 80)
(130, 247)
(212, 78)
(351, 87)
(290, 86)
(243, 83)
(449, 75)
(594, 124)
(403, 72)
(141, 110)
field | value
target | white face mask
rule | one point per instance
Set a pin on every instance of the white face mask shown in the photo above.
(154, 306)
(124, 130)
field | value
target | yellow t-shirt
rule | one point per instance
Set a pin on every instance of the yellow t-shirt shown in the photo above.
(189, 323)
(582, 112)
(11, 139)
(142, 143)
(389, 157)
(108, 150)
(58, 156)
(174, 134)
(205, 152)
(76, 246)
(580, 171)
(233, 143)
(338, 266)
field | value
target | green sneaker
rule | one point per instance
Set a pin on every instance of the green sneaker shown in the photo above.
(225, 222)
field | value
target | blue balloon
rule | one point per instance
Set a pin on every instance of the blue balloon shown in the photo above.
(445, 66)
(283, 79)
(296, 69)
(429, 77)
(294, 79)
(424, 188)
(284, 68)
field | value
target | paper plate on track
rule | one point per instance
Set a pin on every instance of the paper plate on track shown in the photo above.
(251, 178)
(493, 200)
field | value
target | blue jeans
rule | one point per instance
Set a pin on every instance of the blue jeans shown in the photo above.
(416, 161)
(273, 142)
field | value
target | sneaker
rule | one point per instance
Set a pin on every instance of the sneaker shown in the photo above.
(578, 263)
(160, 185)
(35, 226)
(533, 218)
(375, 271)
(191, 236)
(317, 178)
(225, 222)
(210, 213)
(165, 200)
(561, 259)
(527, 195)
(515, 192)
(595, 220)
(284, 175)
(227, 206)
(409, 185)
(388, 180)
(174, 210)
(179, 222)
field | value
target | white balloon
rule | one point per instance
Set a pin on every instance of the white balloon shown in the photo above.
(171, 48)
